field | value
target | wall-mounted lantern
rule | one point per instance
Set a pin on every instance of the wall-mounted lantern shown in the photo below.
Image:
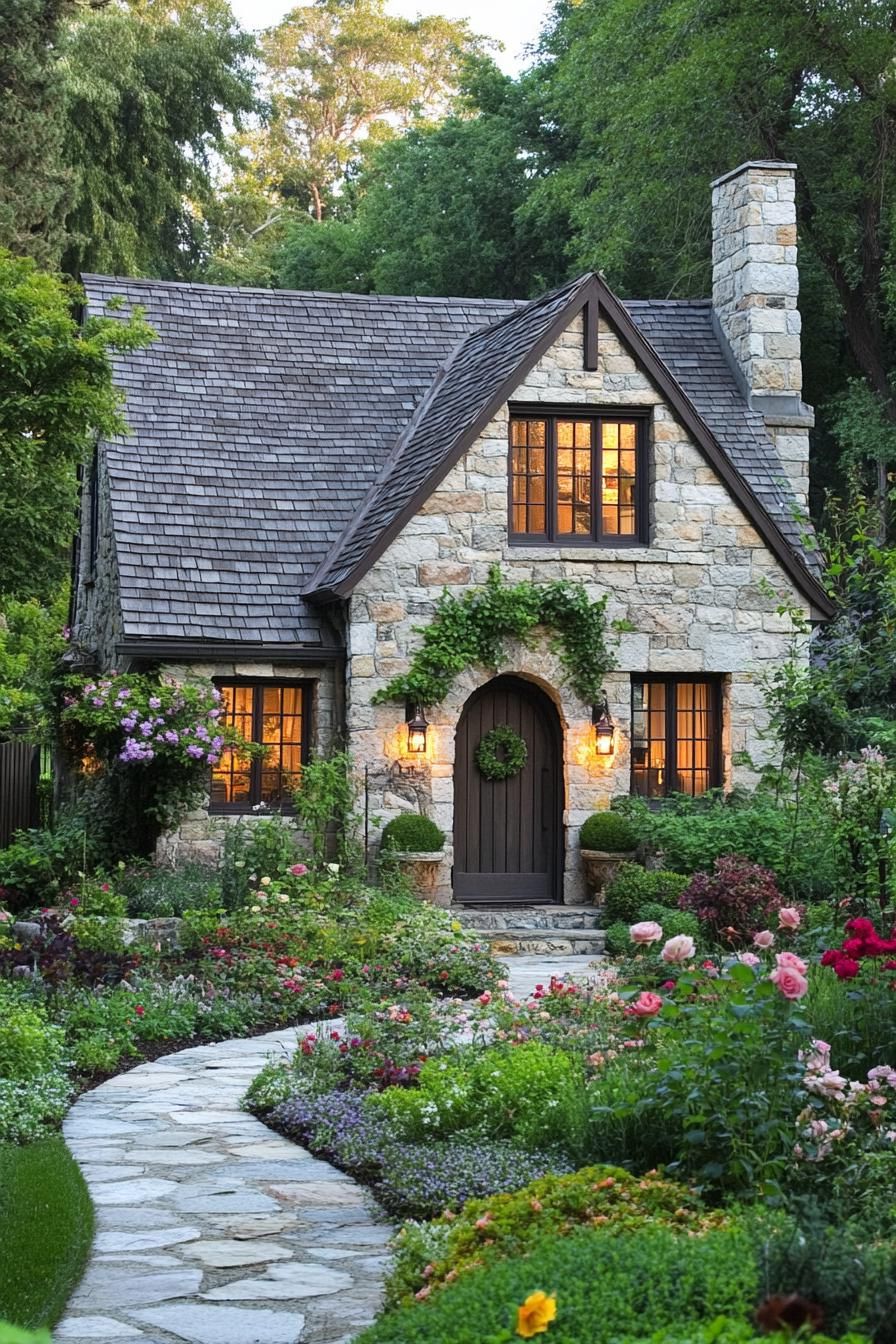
(417, 726)
(604, 729)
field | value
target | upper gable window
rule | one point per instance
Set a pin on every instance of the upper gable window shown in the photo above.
(577, 479)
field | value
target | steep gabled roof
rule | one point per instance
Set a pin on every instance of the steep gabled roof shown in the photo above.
(259, 419)
(481, 375)
(269, 429)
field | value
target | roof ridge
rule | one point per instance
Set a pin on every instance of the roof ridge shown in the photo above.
(328, 294)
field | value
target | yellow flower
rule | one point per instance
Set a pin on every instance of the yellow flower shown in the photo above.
(456, 926)
(535, 1315)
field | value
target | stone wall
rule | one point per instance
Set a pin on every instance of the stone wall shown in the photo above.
(701, 598)
(755, 291)
(200, 836)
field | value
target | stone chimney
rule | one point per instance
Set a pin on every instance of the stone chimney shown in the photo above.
(755, 285)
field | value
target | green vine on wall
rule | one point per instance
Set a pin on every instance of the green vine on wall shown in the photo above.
(473, 629)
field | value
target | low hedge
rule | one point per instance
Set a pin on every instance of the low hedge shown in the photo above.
(412, 833)
(606, 1288)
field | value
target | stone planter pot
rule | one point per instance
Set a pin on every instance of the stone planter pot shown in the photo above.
(423, 871)
(601, 866)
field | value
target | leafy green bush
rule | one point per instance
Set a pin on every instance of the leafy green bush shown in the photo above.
(252, 850)
(845, 1268)
(503, 1092)
(610, 832)
(156, 893)
(505, 1226)
(412, 833)
(725, 1331)
(796, 843)
(38, 864)
(606, 1287)
(672, 922)
(618, 942)
(634, 886)
(34, 1086)
(11, 1334)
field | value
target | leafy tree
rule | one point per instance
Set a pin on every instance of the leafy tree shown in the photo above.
(31, 644)
(655, 97)
(56, 394)
(340, 73)
(32, 174)
(437, 210)
(151, 87)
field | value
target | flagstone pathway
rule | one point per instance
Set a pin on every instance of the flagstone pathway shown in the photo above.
(210, 1228)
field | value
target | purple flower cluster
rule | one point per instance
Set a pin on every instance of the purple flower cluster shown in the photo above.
(413, 1180)
(421, 1180)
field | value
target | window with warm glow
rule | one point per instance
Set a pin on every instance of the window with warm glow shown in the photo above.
(275, 716)
(576, 479)
(676, 736)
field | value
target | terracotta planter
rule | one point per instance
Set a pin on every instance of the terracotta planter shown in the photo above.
(601, 866)
(423, 871)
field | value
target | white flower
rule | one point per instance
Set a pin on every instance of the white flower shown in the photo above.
(265, 882)
(333, 868)
(256, 909)
(283, 899)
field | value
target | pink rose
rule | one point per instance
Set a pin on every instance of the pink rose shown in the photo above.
(484, 998)
(678, 949)
(789, 917)
(791, 984)
(298, 870)
(645, 1005)
(645, 933)
(791, 961)
(764, 939)
(748, 958)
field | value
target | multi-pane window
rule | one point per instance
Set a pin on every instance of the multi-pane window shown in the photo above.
(577, 478)
(275, 716)
(676, 736)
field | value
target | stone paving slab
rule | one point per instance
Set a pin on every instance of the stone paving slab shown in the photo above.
(211, 1229)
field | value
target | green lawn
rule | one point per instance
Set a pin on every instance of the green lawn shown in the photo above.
(46, 1227)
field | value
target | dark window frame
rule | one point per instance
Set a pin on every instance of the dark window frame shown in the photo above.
(671, 682)
(259, 685)
(551, 413)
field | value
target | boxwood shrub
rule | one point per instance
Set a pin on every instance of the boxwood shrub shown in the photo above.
(412, 833)
(610, 832)
(634, 886)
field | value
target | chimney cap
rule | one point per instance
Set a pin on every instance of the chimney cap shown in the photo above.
(766, 165)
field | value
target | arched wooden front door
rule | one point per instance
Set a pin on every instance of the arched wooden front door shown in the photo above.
(508, 832)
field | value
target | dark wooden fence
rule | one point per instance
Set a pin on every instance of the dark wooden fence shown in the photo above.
(19, 772)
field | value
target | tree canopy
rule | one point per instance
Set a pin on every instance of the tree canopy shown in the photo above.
(56, 394)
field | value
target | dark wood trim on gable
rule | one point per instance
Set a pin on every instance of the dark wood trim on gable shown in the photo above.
(591, 291)
(591, 318)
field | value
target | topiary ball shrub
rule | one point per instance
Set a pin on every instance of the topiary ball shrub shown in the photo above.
(412, 834)
(609, 832)
(735, 900)
(634, 887)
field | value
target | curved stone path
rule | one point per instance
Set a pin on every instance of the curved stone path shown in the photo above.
(211, 1229)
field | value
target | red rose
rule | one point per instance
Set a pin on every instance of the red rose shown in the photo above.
(846, 969)
(863, 927)
(139, 1010)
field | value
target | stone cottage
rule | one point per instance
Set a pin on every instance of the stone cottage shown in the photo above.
(308, 472)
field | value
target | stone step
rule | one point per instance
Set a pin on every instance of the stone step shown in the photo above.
(543, 942)
(554, 917)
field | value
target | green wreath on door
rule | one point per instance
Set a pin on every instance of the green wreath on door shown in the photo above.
(501, 753)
